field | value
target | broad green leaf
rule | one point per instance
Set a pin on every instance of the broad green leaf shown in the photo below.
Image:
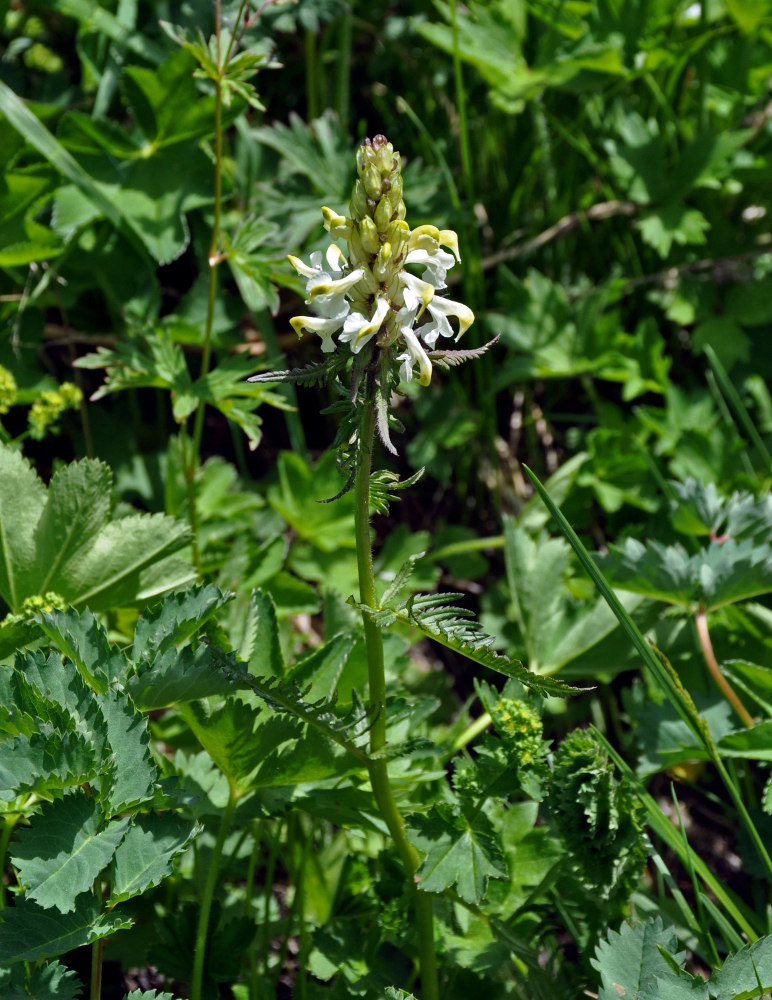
(753, 743)
(97, 18)
(328, 526)
(746, 974)
(65, 542)
(719, 574)
(456, 852)
(63, 850)
(630, 959)
(51, 981)
(22, 500)
(28, 932)
(676, 986)
(144, 857)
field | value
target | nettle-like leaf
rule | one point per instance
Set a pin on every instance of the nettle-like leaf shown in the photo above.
(51, 981)
(746, 974)
(28, 932)
(630, 959)
(62, 539)
(456, 851)
(178, 618)
(723, 573)
(63, 850)
(435, 616)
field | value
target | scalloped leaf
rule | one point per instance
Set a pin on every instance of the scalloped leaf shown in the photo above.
(81, 638)
(723, 573)
(134, 774)
(450, 626)
(45, 762)
(63, 850)
(144, 857)
(62, 539)
(52, 981)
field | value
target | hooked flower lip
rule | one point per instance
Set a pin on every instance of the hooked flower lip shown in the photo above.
(358, 329)
(440, 309)
(325, 326)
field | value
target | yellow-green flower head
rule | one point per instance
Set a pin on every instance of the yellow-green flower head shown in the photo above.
(369, 296)
(8, 390)
(49, 407)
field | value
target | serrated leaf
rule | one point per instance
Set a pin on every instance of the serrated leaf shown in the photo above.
(144, 857)
(148, 995)
(81, 638)
(46, 761)
(318, 673)
(181, 616)
(63, 850)
(133, 774)
(51, 981)
(696, 509)
(28, 932)
(456, 852)
(676, 986)
(266, 658)
(630, 959)
(176, 676)
(746, 974)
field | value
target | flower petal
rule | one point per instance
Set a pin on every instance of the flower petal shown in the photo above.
(415, 354)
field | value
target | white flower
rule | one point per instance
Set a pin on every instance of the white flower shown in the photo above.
(326, 290)
(436, 264)
(415, 354)
(416, 292)
(439, 310)
(358, 329)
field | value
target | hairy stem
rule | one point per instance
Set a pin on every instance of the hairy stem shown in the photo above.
(379, 774)
(202, 932)
(701, 621)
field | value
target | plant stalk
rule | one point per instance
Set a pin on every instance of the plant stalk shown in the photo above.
(97, 950)
(701, 621)
(202, 931)
(379, 774)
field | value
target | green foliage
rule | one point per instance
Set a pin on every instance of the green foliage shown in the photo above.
(598, 817)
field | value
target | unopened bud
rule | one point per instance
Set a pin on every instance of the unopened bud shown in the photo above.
(384, 159)
(383, 214)
(372, 182)
(369, 235)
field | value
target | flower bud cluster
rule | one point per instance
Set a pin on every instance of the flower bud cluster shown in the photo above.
(369, 294)
(8, 390)
(49, 407)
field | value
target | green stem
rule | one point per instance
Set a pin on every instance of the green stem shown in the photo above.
(202, 931)
(379, 774)
(6, 830)
(471, 732)
(97, 949)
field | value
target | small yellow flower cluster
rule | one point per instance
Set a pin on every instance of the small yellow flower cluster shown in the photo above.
(49, 407)
(371, 293)
(34, 605)
(8, 390)
(521, 727)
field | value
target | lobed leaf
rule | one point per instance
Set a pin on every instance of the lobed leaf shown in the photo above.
(144, 857)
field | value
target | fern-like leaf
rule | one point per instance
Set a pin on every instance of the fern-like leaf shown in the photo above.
(384, 486)
(435, 616)
(313, 374)
(452, 359)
